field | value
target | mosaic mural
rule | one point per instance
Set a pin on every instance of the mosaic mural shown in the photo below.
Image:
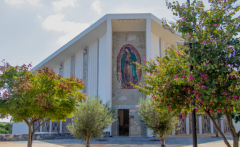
(127, 48)
(127, 72)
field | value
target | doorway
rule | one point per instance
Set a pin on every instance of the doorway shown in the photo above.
(123, 119)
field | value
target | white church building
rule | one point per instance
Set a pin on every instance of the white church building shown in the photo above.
(102, 56)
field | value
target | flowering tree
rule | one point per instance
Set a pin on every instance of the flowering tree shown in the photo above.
(32, 97)
(214, 58)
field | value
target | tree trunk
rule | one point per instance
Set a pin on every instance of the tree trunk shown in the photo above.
(235, 135)
(30, 136)
(87, 142)
(217, 128)
(162, 140)
(217, 134)
(236, 141)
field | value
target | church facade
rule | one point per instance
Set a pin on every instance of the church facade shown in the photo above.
(103, 56)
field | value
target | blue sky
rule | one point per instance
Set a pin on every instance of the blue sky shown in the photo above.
(31, 30)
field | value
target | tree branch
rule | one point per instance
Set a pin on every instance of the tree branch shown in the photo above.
(40, 125)
(217, 128)
(35, 120)
(26, 121)
(238, 133)
(229, 119)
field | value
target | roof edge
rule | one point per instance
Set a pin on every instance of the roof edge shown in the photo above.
(83, 33)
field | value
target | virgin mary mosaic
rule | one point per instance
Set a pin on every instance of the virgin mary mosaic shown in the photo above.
(127, 72)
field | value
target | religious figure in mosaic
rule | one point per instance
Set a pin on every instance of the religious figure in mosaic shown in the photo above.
(127, 71)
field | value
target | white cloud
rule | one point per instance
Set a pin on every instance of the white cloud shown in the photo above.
(39, 17)
(58, 24)
(96, 6)
(33, 2)
(19, 3)
(58, 5)
(15, 2)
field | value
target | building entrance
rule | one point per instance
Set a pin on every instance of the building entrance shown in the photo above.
(123, 119)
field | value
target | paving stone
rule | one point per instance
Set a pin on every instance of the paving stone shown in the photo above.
(122, 142)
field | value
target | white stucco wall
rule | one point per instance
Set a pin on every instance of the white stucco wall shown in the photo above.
(79, 65)
(19, 128)
(155, 51)
(102, 85)
(164, 46)
(56, 69)
(149, 133)
(237, 126)
(105, 67)
(92, 69)
(67, 68)
(102, 68)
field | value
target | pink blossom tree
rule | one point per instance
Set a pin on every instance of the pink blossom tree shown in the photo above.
(215, 60)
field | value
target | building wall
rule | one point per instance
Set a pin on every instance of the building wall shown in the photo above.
(104, 64)
(121, 95)
(155, 46)
(56, 69)
(19, 128)
(237, 126)
(92, 74)
(124, 96)
(79, 65)
(102, 69)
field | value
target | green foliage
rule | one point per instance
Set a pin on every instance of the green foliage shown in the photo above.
(5, 128)
(91, 118)
(160, 122)
(38, 95)
(32, 97)
(215, 59)
(167, 81)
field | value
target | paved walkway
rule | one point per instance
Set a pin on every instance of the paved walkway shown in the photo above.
(173, 141)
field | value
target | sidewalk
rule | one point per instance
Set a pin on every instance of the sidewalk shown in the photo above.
(43, 144)
(204, 140)
(199, 135)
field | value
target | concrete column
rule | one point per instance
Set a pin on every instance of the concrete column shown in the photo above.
(60, 130)
(108, 56)
(148, 39)
(211, 125)
(148, 46)
(160, 47)
(187, 124)
(200, 124)
(149, 133)
(41, 126)
(222, 126)
(50, 127)
(173, 132)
